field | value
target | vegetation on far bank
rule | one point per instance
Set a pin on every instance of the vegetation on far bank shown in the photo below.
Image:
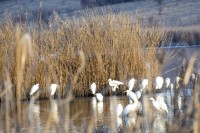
(78, 52)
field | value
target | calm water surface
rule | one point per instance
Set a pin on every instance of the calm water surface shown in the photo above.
(83, 113)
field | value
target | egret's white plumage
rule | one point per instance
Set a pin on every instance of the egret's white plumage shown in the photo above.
(138, 94)
(131, 84)
(167, 82)
(130, 108)
(93, 88)
(163, 107)
(171, 87)
(177, 81)
(131, 95)
(158, 82)
(34, 89)
(119, 110)
(193, 76)
(144, 84)
(155, 103)
(114, 84)
(99, 97)
(160, 106)
(53, 88)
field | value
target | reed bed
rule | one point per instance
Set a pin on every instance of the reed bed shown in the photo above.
(91, 48)
(185, 35)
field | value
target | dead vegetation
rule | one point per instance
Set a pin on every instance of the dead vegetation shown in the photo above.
(88, 49)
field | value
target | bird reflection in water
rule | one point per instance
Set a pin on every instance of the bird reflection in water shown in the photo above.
(54, 111)
(159, 124)
(100, 108)
(34, 116)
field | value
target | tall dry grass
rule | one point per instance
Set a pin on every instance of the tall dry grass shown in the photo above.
(91, 48)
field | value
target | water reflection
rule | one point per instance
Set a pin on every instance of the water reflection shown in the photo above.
(159, 124)
(54, 110)
(129, 121)
(119, 122)
(52, 114)
(99, 109)
(34, 116)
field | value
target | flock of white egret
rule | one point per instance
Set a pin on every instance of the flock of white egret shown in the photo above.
(35, 87)
(134, 105)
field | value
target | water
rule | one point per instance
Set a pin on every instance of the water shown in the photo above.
(82, 113)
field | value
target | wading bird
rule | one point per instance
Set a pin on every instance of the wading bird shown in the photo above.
(193, 76)
(99, 97)
(132, 97)
(177, 81)
(144, 84)
(131, 84)
(93, 88)
(130, 108)
(119, 110)
(53, 88)
(158, 82)
(167, 82)
(159, 106)
(34, 89)
(138, 94)
(114, 84)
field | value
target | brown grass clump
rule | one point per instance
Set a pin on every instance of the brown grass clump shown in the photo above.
(87, 49)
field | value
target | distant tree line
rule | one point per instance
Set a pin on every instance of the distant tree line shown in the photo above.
(103, 2)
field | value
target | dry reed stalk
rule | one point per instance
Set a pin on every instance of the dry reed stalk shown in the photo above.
(113, 46)
(8, 100)
(23, 46)
(196, 127)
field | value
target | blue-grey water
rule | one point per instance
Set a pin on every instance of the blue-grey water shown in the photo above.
(81, 114)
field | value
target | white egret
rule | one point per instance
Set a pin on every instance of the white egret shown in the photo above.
(158, 82)
(193, 76)
(167, 82)
(131, 84)
(163, 107)
(53, 88)
(119, 110)
(99, 97)
(131, 95)
(177, 81)
(155, 104)
(130, 108)
(34, 89)
(114, 84)
(160, 106)
(144, 84)
(93, 88)
(138, 94)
